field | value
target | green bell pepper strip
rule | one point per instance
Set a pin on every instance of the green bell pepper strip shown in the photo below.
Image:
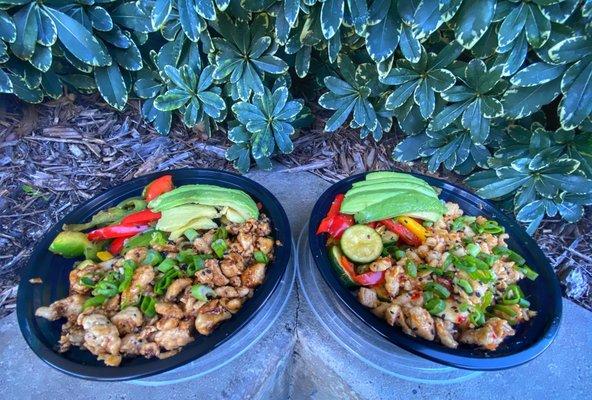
(144, 239)
(260, 257)
(129, 267)
(147, 306)
(202, 292)
(94, 302)
(109, 216)
(219, 246)
(411, 269)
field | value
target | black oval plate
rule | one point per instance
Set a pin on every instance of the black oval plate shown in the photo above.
(43, 335)
(544, 294)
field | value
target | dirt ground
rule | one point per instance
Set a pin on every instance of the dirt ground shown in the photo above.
(59, 154)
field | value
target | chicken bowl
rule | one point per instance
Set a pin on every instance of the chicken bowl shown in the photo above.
(152, 274)
(436, 270)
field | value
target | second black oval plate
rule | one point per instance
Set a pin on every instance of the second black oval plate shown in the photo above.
(544, 294)
(43, 335)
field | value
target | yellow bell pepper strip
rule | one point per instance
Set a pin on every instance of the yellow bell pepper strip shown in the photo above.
(104, 255)
(415, 227)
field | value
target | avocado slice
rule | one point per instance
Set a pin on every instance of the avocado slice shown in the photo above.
(360, 200)
(175, 218)
(198, 223)
(71, 244)
(375, 182)
(208, 195)
(387, 174)
(403, 203)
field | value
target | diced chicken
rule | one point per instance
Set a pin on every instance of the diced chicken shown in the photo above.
(381, 264)
(176, 288)
(445, 331)
(233, 305)
(101, 337)
(203, 244)
(211, 274)
(232, 265)
(72, 335)
(391, 280)
(265, 245)
(490, 335)
(132, 345)
(420, 321)
(253, 276)
(143, 276)
(171, 339)
(166, 323)
(94, 272)
(235, 281)
(247, 242)
(69, 307)
(128, 319)
(368, 297)
(392, 313)
(170, 310)
(137, 254)
(209, 316)
(231, 292)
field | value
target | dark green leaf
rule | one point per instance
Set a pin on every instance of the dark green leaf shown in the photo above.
(111, 86)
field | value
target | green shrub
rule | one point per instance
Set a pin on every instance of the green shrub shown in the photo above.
(496, 89)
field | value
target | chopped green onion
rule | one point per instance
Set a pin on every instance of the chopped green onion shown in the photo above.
(219, 246)
(459, 223)
(524, 303)
(129, 267)
(512, 294)
(202, 292)
(153, 258)
(464, 285)
(528, 272)
(165, 281)
(94, 302)
(474, 261)
(473, 249)
(105, 288)
(462, 264)
(505, 309)
(435, 306)
(221, 233)
(512, 255)
(147, 306)
(438, 289)
(411, 269)
(87, 281)
(199, 262)
(166, 265)
(399, 254)
(260, 257)
(448, 261)
(186, 256)
(487, 300)
(191, 234)
(489, 259)
(158, 238)
(427, 296)
(462, 307)
(477, 317)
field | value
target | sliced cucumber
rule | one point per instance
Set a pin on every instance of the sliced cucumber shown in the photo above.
(360, 243)
(335, 255)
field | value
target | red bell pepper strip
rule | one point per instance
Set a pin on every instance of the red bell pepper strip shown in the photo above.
(404, 234)
(158, 186)
(335, 223)
(115, 231)
(370, 278)
(117, 245)
(141, 218)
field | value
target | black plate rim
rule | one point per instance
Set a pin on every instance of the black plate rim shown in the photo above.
(276, 270)
(418, 346)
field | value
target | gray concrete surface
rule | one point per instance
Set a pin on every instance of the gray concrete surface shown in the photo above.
(297, 356)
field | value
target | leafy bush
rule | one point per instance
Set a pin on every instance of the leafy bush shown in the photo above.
(496, 89)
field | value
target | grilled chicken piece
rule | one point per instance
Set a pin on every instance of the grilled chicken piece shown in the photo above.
(420, 321)
(72, 335)
(235, 281)
(93, 272)
(490, 335)
(69, 307)
(392, 314)
(141, 280)
(368, 297)
(231, 292)
(265, 245)
(171, 339)
(168, 310)
(211, 274)
(209, 316)
(128, 319)
(247, 242)
(233, 305)
(166, 323)
(176, 288)
(413, 299)
(446, 331)
(381, 264)
(102, 338)
(232, 265)
(253, 276)
(391, 280)
(204, 244)
(132, 345)
(137, 254)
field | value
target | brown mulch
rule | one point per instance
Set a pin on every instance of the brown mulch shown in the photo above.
(61, 153)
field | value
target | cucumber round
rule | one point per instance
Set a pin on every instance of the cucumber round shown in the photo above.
(360, 243)
(335, 255)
